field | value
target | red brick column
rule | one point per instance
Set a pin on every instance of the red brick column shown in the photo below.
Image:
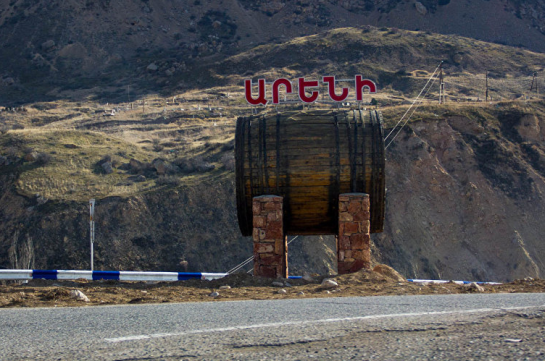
(353, 240)
(270, 245)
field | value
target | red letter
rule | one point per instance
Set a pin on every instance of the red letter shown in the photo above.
(302, 85)
(360, 84)
(330, 80)
(260, 92)
(275, 87)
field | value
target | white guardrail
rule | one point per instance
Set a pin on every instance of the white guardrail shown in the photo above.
(457, 282)
(20, 274)
(29, 274)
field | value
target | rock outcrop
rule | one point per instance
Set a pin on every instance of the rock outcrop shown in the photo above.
(465, 199)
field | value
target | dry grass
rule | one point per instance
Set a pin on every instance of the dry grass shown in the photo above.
(198, 123)
(72, 174)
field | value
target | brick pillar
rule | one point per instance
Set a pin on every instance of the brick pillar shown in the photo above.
(353, 240)
(270, 245)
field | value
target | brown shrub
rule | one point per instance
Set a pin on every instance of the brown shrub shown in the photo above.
(228, 161)
(169, 180)
(43, 158)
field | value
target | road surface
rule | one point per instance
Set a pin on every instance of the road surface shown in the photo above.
(475, 326)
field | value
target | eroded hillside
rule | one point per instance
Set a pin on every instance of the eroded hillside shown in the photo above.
(464, 200)
(464, 179)
(465, 194)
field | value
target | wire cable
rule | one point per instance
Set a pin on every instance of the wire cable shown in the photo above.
(293, 239)
(435, 71)
(245, 262)
(409, 118)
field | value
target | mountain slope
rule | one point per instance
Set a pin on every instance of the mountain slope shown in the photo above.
(465, 179)
(465, 189)
(51, 45)
(465, 194)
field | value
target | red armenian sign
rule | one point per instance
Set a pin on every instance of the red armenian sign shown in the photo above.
(303, 85)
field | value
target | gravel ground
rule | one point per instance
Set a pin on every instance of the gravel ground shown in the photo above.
(383, 280)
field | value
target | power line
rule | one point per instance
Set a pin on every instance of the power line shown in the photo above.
(477, 77)
(409, 118)
(293, 239)
(250, 259)
(435, 71)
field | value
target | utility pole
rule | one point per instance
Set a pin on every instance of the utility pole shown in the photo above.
(129, 93)
(534, 81)
(486, 92)
(92, 230)
(441, 85)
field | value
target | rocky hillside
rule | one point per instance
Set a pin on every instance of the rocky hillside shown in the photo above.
(175, 229)
(464, 200)
(465, 194)
(54, 45)
(465, 179)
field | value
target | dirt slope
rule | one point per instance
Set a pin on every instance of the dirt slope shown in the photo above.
(42, 293)
(465, 194)
(464, 201)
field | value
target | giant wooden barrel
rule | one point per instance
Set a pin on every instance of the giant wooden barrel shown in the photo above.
(309, 158)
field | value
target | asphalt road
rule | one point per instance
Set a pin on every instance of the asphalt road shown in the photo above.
(480, 326)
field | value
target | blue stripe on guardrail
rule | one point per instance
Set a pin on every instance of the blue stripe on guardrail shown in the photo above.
(105, 275)
(44, 274)
(184, 276)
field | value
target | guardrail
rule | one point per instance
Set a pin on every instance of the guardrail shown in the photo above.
(17, 274)
(457, 282)
(28, 274)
